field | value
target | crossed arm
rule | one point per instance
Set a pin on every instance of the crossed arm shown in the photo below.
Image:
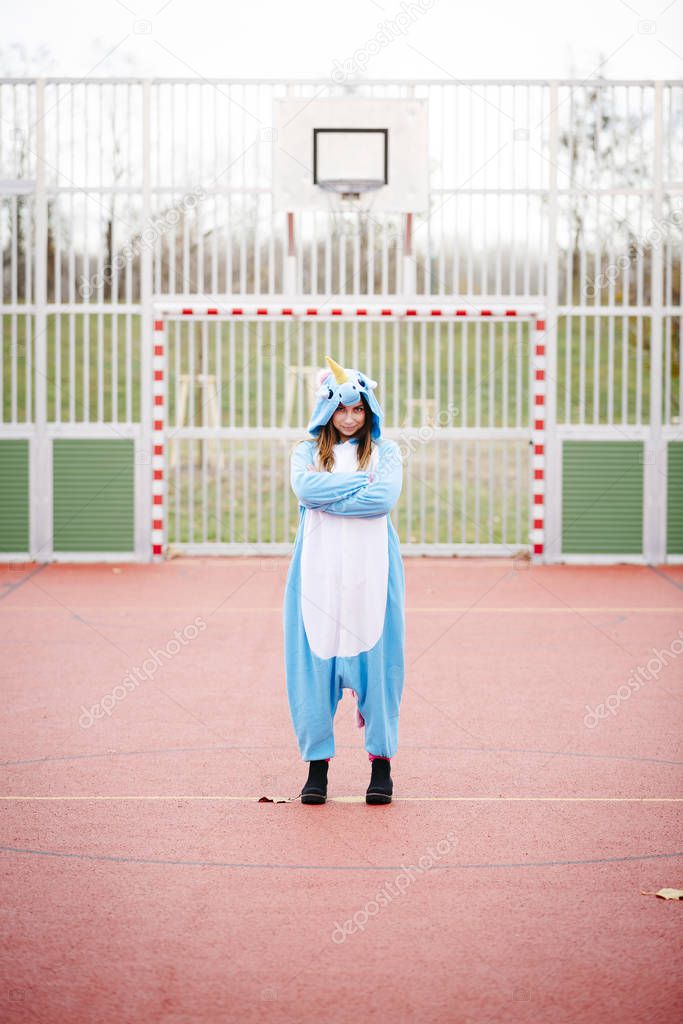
(349, 494)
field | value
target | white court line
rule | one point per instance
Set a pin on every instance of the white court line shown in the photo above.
(352, 799)
(531, 609)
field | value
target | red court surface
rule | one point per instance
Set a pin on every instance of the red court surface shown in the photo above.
(144, 881)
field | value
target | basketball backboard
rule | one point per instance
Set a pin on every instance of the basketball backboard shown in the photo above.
(350, 146)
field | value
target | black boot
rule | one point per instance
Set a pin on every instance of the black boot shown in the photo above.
(381, 787)
(315, 789)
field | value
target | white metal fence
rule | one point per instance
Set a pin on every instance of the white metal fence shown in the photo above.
(114, 192)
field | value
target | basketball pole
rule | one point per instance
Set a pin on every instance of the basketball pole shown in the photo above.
(290, 259)
(409, 275)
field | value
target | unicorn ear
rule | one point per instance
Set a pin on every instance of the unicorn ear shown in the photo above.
(372, 384)
(321, 389)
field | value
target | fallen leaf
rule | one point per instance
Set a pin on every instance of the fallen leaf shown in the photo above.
(665, 894)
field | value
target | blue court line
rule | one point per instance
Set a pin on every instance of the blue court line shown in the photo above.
(110, 859)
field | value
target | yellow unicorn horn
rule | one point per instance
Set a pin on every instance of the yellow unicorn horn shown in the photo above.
(340, 374)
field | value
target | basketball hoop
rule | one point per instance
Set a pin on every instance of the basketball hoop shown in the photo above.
(349, 202)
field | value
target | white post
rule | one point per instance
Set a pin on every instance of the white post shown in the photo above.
(143, 498)
(290, 286)
(655, 446)
(539, 462)
(41, 539)
(551, 443)
(158, 517)
(409, 277)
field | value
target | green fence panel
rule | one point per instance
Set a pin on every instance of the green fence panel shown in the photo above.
(94, 495)
(674, 499)
(602, 497)
(14, 496)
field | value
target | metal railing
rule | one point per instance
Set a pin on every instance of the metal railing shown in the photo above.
(114, 191)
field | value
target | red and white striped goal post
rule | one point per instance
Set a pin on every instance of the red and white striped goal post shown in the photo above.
(349, 312)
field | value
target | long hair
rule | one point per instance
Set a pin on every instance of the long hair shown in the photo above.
(329, 436)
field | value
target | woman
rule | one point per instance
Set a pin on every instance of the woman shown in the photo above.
(345, 592)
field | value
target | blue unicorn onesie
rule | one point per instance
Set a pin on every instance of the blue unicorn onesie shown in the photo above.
(344, 600)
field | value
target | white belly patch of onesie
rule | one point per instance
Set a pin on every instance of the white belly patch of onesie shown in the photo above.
(344, 574)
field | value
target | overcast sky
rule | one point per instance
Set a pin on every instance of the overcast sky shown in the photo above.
(311, 38)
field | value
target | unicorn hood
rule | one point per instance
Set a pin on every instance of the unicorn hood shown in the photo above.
(346, 386)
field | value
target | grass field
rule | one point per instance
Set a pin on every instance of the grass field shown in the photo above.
(206, 505)
(93, 368)
(465, 374)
